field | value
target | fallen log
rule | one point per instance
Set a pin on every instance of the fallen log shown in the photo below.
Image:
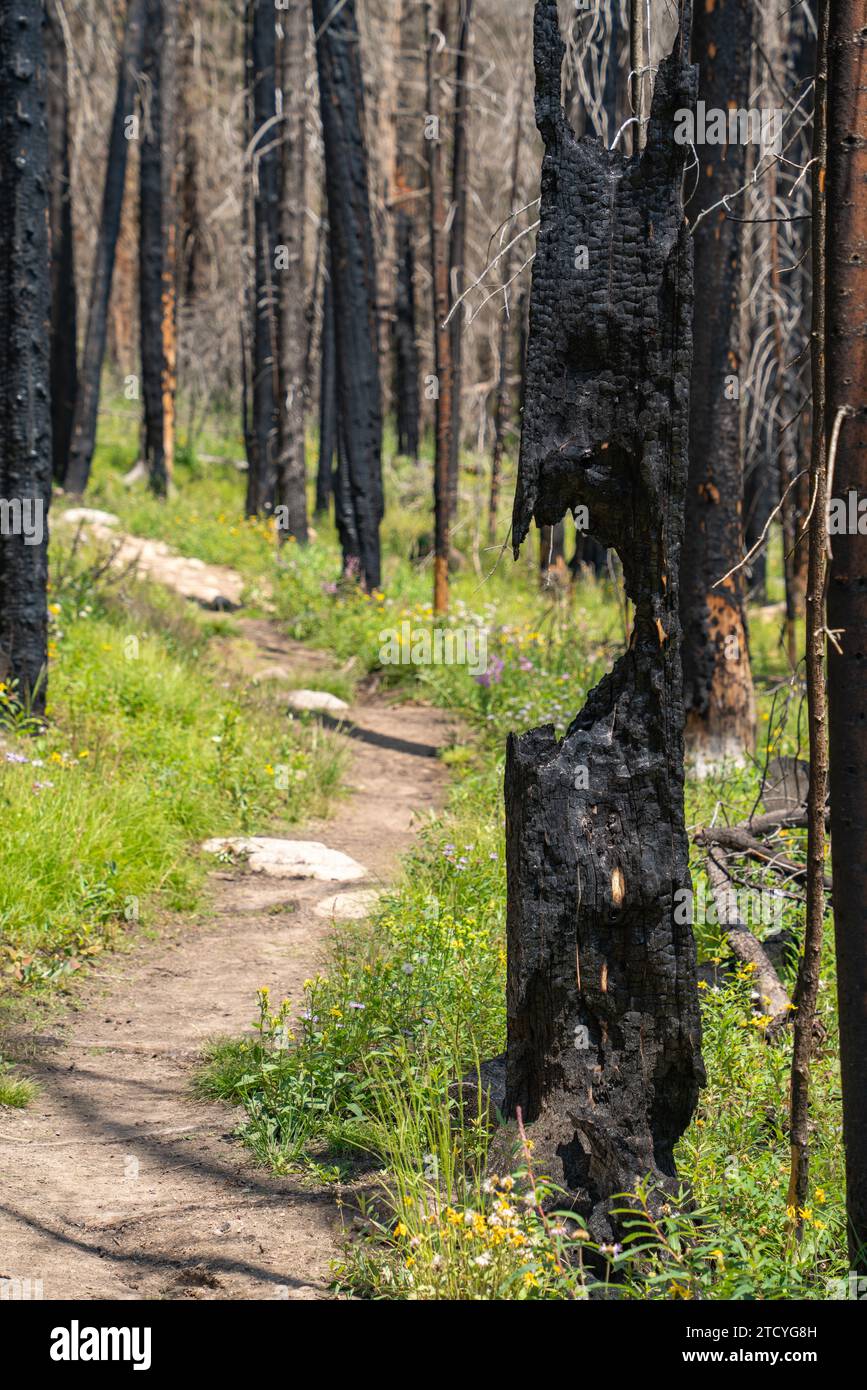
(748, 949)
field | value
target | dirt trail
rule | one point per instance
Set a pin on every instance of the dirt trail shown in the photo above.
(117, 1182)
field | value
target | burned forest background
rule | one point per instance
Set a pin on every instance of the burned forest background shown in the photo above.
(499, 362)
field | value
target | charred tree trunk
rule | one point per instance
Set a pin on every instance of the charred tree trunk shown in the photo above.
(328, 424)
(292, 457)
(604, 1058)
(262, 460)
(25, 365)
(64, 314)
(353, 271)
(441, 332)
(405, 342)
(87, 400)
(458, 239)
(718, 689)
(158, 243)
(190, 233)
(847, 594)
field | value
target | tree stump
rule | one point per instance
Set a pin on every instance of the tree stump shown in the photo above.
(604, 1056)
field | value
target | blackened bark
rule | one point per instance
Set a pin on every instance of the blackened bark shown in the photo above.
(292, 404)
(158, 236)
(353, 267)
(405, 342)
(87, 400)
(327, 401)
(25, 366)
(847, 593)
(604, 1054)
(458, 239)
(718, 690)
(64, 314)
(263, 437)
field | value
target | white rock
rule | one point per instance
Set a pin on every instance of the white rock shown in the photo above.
(315, 699)
(347, 907)
(87, 516)
(291, 858)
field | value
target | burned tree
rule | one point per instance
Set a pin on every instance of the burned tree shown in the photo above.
(327, 402)
(718, 688)
(25, 367)
(64, 334)
(604, 1058)
(262, 437)
(87, 399)
(353, 278)
(158, 242)
(405, 345)
(291, 457)
(847, 593)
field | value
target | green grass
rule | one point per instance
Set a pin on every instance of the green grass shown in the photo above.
(358, 1069)
(148, 749)
(16, 1092)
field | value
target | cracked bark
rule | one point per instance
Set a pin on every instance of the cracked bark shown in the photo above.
(604, 1053)
(25, 368)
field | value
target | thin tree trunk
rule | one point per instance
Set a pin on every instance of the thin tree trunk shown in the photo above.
(292, 458)
(639, 62)
(603, 1025)
(87, 400)
(441, 332)
(458, 238)
(64, 331)
(328, 421)
(261, 474)
(158, 243)
(501, 399)
(718, 688)
(847, 595)
(25, 358)
(817, 795)
(353, 271)
(405, 341)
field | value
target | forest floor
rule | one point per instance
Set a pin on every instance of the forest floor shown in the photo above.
(120, 1182)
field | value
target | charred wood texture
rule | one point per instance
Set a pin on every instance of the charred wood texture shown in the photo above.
(265, 158)
(353, 271)
(439, 269)
(847, 592)
(25, 365)
(604, 1056)
(87, 400)
(64, 332)
(406, 374)
(718, 690)
(158, 242)
(292, 459)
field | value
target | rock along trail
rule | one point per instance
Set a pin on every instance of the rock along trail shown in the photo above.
(117, 1182)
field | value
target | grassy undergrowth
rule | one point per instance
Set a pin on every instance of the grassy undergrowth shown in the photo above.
(361, 1065)
(148, 748)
